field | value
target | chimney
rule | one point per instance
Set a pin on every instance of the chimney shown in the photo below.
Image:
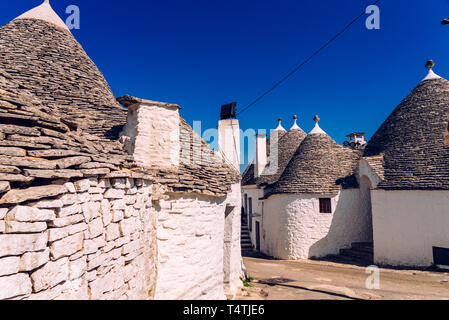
(151, 133)
(260, 155)
(229, 141)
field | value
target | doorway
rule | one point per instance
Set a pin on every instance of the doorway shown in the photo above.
(257, 236)
(365, 193)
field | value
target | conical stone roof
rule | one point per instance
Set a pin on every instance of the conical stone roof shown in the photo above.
(412, 140)
(44, 57)
(287, 145)
(319, 166)
(49, 86)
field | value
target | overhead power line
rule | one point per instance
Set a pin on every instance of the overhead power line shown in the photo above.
(277, 84)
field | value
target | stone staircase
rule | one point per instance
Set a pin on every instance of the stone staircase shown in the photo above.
(360, 253)
(246, 239)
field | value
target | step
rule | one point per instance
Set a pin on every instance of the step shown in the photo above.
(339, 258)
(356, 255)
(362, 245)
(369, 250)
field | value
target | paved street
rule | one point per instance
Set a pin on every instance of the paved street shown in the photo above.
(297, 280)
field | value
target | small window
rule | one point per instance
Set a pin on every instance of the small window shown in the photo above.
(325, 205)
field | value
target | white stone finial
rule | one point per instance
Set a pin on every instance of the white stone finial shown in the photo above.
(295, 125)
(46, 13)
(317, 129)
(431, 75)
(280, 127)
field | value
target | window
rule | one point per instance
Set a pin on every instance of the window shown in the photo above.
(325, 205)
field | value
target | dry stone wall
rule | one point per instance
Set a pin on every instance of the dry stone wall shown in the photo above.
(88, 239)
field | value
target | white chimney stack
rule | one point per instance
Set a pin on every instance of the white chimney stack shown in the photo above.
(229, 141)
(151, 133)
(261, 154)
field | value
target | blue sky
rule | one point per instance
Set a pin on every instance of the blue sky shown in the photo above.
(201, 54)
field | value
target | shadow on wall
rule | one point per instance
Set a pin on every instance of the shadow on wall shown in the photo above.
(351, 222)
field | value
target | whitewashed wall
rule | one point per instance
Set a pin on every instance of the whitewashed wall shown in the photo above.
(235, 255)
(190, 235)
(295, 229)
(407, 224)
(151, 134)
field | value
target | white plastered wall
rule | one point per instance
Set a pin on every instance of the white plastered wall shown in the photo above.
(407, 224)
(191, 245)
(151, 134)
(233, 258)
(295, 229)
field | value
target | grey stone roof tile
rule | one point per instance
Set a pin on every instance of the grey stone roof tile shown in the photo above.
(411, 140)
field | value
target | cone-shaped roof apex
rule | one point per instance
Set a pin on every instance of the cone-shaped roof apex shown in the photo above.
(44, 12)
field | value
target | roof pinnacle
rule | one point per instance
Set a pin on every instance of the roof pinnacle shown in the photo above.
(280, 127)
(295, 125)
(431, 75)
(317, 129)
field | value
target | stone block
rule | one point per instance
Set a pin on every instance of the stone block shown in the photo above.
(4, 186)
(30, 214)
(128, 226)
(69, 199)
(66, 246)
(48, 204)
(50, 275)
(33, 193)
(63, 222)
(70, 187)
(69, 210)
(18, 244)
(15, 285)
(33, 260)
(117, 215)
(91, 210)
(114, 193)
(82, 185)
(77, 268)
(24, 227)
(3, 212)
(112, 232)
(95, 228)
(119, 204)
(9, 265)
